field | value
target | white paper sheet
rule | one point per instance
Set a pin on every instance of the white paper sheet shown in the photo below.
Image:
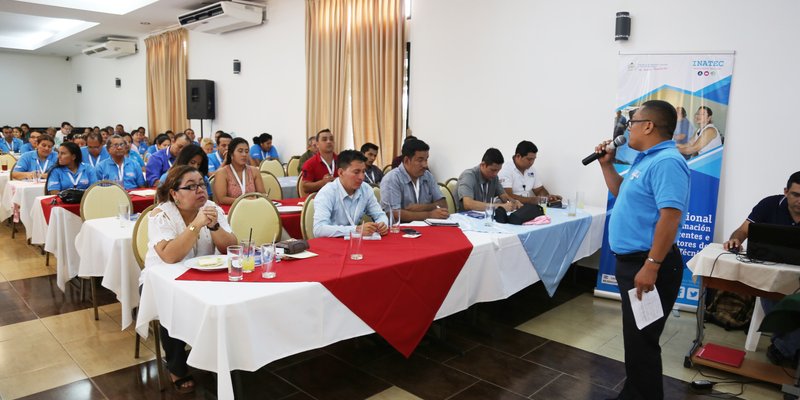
(648, 309)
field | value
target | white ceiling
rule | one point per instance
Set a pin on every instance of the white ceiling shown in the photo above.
(18, 22)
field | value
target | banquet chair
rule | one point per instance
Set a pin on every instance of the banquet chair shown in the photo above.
(139, 244)
(300, 192)
(307, 218)
(273, 166)
(448, 196)
(272, 186)
(255, 212)
(377, 191)
(102, 200)
(452, 186)
(293, 166)
(387, 169)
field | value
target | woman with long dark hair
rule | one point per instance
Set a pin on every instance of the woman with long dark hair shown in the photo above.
(70, 173)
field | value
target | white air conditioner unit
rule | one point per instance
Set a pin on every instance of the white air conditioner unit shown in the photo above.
(111, 49)
(222, 17)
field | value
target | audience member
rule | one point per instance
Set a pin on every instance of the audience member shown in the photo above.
(373, 174)
(189, 132)
(162, 160)
(237, 177)
(412, 188)
(321, 168)
(479, 185)
(66, 128)
(264, 150)
(10, 144)
(520, 177)
(33, 140)
(36, 162)
(207, 144)
(119, 167)
(94, 152)
(193, 156)
(399, 159)
(119, 130)
(26, 131)
(139, 141)
(216, 160)
(131, 153)
(340, 206)
(311, 149)
(70, 173)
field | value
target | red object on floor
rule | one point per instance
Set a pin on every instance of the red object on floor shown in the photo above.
(139, 204)
(721, 354)
(396, 289)
(290, 221)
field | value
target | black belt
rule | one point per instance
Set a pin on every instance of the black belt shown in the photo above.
(641, 255)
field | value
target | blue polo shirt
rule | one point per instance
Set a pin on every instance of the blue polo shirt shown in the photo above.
(15, 146)
(214, 161)
(157, 164)
(62, 178)
(94, 161)
(26, 148)
(658, 178)
(30, 162)
(132, 177)
(135, 157)
(257, 153)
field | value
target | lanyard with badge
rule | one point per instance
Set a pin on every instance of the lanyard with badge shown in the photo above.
(350, 218)
(121, 171)
(485, 187)
(370, 177)
(415, 185)
(240, 181)
(75, 180)
(166, 152)
(264, 154)
(219, 158)
(329, 167)
(39, 165)
(93, 161)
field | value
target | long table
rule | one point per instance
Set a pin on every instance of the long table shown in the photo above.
(19, 196)
(243, 326)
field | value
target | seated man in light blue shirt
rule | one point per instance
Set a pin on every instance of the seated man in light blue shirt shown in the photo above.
(340, 205)
(217, 158)
(94, 152)
(40, 161)
(33, 141)
(10, 144)
(412, 188)
(119, 168)
(132, 154)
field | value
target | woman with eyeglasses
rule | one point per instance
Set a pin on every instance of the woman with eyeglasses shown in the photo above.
(193, 156)
(705, 138)
(237, 177)
(70, 173)
(120, 168)
(183, 226)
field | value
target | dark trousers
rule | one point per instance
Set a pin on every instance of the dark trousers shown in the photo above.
(174, 353)
(642, 351)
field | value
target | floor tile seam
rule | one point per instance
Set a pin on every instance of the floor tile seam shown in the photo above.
(546, 385)
(539, 347)
(96, 386)
(14, 288)
(297, 389)
(464, 389)
(71, 357)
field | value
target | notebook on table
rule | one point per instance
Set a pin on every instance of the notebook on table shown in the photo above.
(721, 354)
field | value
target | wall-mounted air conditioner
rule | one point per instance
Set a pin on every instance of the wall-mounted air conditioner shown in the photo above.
(111, 49)
(222, 17)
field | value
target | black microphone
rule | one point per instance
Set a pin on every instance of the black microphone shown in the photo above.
(619, 141)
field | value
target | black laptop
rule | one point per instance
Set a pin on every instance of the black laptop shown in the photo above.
(776, 243)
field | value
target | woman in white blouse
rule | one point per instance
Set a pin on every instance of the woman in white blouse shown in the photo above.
(184, 225)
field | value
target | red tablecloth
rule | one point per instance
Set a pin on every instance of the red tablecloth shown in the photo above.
(290, 221)
(139, 204)
(396, 289)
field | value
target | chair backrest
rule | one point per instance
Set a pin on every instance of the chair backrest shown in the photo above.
(255, 211)
(272, 186)
(452, 186)
(451, 201)
(307, 218)
(293, 166)
(47, 183)
(377, 191)
(9, 159)
(273, 166)
(300, 192)
(139, 237)
(387, 169)
(101, 200)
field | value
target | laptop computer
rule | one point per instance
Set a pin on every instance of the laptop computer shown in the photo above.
(776, 243)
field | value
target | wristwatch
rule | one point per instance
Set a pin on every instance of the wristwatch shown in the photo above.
(653, 260)
(214, 227)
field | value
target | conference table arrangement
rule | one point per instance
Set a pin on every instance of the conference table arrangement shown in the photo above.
(18, 197)
(399, 287)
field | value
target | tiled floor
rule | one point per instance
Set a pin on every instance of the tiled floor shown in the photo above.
(528, 346)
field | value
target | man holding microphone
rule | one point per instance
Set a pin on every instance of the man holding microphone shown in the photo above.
(651, 203)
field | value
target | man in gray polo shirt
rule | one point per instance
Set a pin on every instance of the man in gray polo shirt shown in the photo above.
(412, 187)
(479, 185)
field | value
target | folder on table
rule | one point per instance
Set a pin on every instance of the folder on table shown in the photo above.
(721, 354)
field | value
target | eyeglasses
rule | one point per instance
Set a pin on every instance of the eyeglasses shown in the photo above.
(118, 144)
(193, 187)
(633, 121)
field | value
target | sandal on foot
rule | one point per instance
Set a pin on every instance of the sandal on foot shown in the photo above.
(178, 384)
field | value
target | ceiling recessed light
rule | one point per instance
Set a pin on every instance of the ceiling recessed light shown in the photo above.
(103, 6)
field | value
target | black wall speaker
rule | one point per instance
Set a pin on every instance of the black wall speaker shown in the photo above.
(80, 89)
(623, 31)
(118, 82)
(237, 66)
(200, 102)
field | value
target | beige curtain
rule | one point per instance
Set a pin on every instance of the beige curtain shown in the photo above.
(167, 70)
(377, 43)
(327, 67)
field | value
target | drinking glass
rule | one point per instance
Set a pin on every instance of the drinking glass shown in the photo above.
(394, 221)
(489, 217)
(268, 261)
(572, 207)
(543, 203)
(355, 245)
(124, 214)
(579, 196)
(4, 165)
(234, 263)
(248, 256)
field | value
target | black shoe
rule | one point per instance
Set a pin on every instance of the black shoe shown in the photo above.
(776, 357)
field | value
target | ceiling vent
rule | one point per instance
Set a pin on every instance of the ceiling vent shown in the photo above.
(111, 49)
(222, 17)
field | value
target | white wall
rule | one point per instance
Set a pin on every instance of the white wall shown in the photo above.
(35, 89)
(101, 103)
(269, 94)
(491, 74)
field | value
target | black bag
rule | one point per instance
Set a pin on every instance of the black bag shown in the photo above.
(292, 246)
(524, 214)
(71, 196)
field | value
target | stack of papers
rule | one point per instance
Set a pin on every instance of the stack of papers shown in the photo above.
(440, 222)
(144, 192)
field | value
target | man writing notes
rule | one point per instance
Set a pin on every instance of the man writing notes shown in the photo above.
(340, 206)
(412, 188)
(653, 198)
(479, 185)
(519, 178)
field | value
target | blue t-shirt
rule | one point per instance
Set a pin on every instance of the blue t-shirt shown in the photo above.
(15, 146)
(94, 161)
(214, 161)
(152, 149)
(29, 162)
(62, 178)
(135, 157)
(658, 178)
(157, 164)
(132, 177)
(258, 154)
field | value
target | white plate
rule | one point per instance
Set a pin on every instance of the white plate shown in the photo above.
(219, 264)
(289, 209)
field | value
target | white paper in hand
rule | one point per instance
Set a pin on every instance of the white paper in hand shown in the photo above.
(648, 309)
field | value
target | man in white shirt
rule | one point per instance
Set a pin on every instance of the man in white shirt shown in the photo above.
(66, 128)
(520, 179)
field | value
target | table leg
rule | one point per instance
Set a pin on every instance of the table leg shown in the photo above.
(753, 334)
(698, 340)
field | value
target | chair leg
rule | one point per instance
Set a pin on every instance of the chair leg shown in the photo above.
(136, 348)
(159, 367)
(94, 297)
(47, 258)
(13, 229)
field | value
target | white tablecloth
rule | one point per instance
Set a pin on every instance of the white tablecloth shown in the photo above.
(288, 186)
(246, 326)
(24, 194)
(60, 240)
(112, 258)
(38, 226)
(5, 176)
